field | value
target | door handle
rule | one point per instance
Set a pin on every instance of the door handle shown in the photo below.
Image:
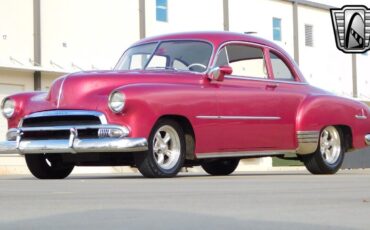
(272, 86)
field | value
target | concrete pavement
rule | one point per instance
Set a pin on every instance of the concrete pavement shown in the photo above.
(252, 200)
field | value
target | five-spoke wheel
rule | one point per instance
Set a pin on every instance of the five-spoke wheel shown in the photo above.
(166, 153)
(329, 155)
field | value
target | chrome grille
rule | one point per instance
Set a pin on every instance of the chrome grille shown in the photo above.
(61, 118)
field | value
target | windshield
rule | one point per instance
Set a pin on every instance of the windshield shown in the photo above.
(174, 55)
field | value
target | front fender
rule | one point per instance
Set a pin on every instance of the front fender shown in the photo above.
(147, 102)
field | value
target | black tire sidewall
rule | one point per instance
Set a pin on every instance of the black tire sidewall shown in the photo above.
(146, 162)
(38, 166)
(316, 164)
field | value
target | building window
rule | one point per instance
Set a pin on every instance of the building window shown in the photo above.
(308, 32)
(276, 29)
(161, 10)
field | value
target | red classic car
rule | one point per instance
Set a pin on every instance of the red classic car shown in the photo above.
(188, 99)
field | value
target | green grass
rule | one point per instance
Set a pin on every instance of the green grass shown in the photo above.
(277, 162)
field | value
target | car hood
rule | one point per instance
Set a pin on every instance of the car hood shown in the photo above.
(84, 90)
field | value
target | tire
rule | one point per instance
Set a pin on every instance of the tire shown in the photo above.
(329, 155)
(220, 167)
(44, 166)
(166, 151)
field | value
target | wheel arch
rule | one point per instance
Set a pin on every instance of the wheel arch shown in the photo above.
(187, 127)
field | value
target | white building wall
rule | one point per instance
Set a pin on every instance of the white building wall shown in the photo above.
(323, 65)
(246, 16)
(189, 15)
(87, 34)
(16, 32)
(12, 82)
(363, 76)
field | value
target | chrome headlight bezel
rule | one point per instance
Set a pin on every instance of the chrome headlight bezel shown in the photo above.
(8, 107)
(116, 101)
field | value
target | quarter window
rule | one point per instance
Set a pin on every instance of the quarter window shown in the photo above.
(276, 29)
(280, 69)
(161, 10)
(246, 61)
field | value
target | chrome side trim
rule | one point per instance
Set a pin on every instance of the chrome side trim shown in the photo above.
(361, 117)
(61, 91)
(367, 139)
(244, 154)
(56, 113)
(307, 141)
(237, 117)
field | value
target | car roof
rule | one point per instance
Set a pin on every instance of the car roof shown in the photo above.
(215, 37)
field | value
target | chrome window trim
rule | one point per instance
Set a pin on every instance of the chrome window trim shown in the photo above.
(296, 75)
(265, 80)
(242, 154)
(238, 117)
(56, 113)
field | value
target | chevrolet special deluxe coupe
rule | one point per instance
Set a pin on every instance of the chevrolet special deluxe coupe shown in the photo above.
(188, 99)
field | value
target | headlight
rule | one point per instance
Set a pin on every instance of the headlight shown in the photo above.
(8, 107)
(116, 102)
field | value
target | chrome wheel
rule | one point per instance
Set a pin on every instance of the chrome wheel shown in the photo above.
(166, 147)
(330, 145)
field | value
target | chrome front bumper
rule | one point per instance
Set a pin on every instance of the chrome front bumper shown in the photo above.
(105, 144)
(367, 139)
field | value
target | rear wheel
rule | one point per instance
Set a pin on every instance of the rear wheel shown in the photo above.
(329, 155)
(166, 151)
(220, 167)
(45, 166)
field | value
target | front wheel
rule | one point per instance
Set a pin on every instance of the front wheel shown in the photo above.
(166, 151)
(45, 166)
(220, 167)
(329, 155)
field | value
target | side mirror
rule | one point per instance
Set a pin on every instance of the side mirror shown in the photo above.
(218, 73)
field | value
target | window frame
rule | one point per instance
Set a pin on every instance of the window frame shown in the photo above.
(288, 65)
(266, 51)
(159, 42)
(161, 7)
(279, 29)
(285, 63)
(253, 45)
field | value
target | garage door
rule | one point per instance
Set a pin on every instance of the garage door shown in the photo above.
(6, 90)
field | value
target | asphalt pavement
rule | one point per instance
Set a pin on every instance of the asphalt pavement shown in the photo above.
(260, 200)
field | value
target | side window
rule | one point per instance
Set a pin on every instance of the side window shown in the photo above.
(157, 62)
(179, 65)
(222, 58)
(246, 61)
(280, 69)
(138, 61)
